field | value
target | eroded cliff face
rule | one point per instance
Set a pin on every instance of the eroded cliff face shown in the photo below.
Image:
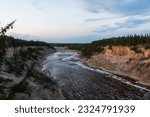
(33, 83)
(13, 50)
(133, 62)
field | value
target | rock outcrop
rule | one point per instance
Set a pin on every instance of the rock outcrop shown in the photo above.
(133, 62)
(33, 83)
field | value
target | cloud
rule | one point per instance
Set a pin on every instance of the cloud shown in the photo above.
(37, 5)
(128, 22)
(117, 17)
(123, 6)
(92, 20)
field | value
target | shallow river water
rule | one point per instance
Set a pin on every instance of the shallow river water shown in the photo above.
(79, 81)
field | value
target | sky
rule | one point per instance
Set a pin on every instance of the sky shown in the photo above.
(75, 21)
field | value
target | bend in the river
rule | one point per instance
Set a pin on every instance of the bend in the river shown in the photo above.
(79, 81)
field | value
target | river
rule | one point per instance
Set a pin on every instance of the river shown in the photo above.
(80, 82)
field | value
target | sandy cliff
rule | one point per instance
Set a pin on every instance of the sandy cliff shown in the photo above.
(133, 62)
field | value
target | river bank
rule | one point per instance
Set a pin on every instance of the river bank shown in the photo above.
(32, 83)
(123, 62)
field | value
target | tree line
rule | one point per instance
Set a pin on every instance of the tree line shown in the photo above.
(130, 40)
(97, 46)
(8, 41)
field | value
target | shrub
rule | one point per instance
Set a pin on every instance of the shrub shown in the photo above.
(23, 87)
(136, 49)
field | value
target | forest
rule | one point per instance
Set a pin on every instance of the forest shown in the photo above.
(8, 41)
(129, 40)
(89, 49)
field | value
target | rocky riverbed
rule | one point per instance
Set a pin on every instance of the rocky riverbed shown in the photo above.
(79, 81)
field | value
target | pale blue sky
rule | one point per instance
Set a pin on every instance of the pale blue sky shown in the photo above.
(75, 20)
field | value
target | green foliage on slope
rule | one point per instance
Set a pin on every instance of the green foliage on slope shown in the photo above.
(17, 63)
